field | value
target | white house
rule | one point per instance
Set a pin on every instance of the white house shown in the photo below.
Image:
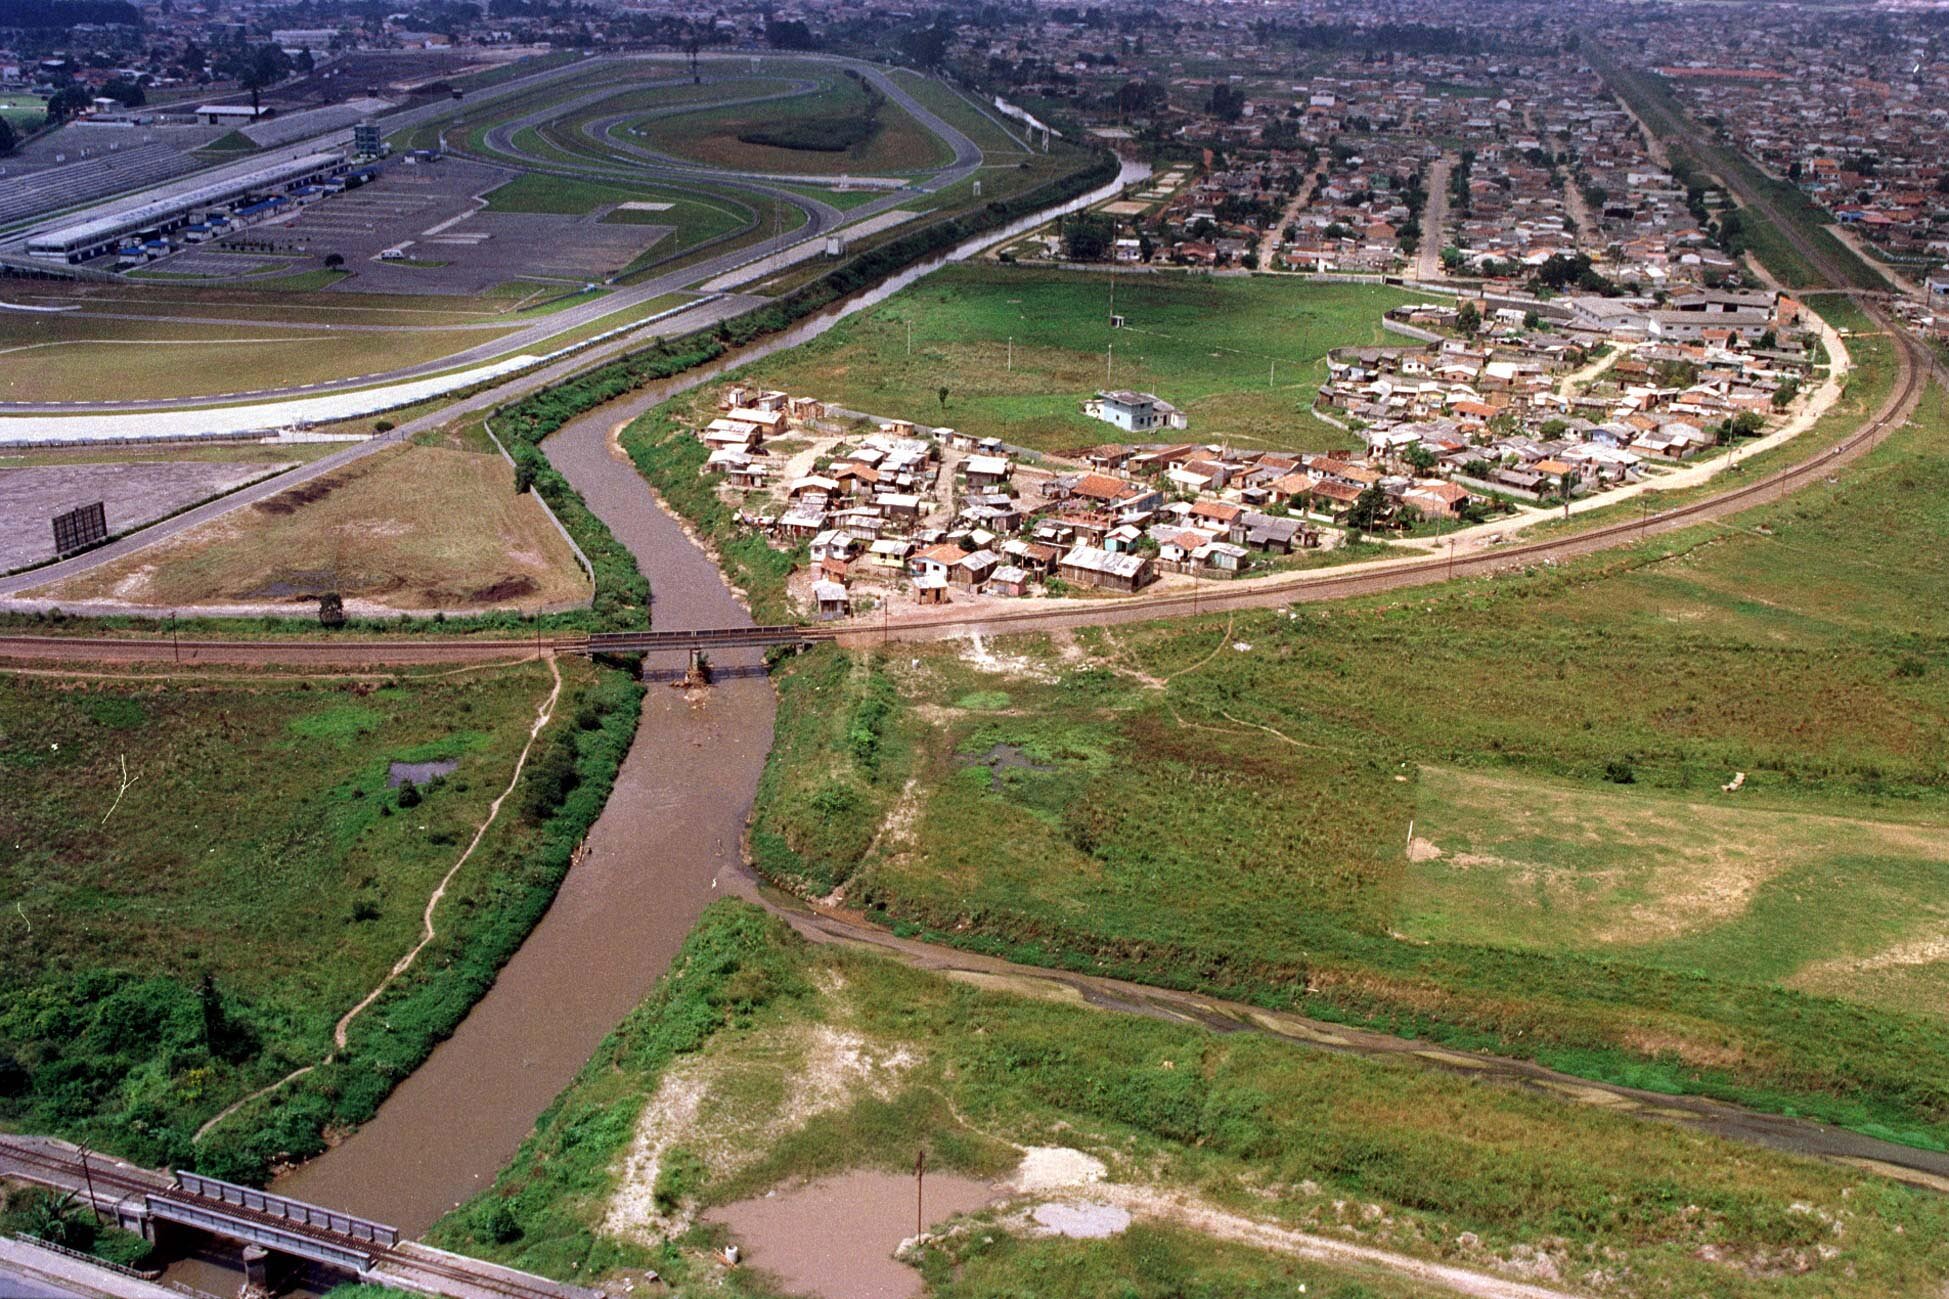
(1135, 412)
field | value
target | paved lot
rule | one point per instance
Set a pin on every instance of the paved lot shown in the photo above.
(452, 245)
(134, 494)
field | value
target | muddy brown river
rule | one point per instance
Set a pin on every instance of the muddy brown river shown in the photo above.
(670, 830)
(665, 845)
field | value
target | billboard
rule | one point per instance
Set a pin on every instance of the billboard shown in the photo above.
(80, 528)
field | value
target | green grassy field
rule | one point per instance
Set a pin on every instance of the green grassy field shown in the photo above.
(759, 1061)
(1209, 345)
(206, 875)
(954, 109)
(185, 302)
(1227, 803)
(825, 132)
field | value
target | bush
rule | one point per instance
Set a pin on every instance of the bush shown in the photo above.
(497, 1223)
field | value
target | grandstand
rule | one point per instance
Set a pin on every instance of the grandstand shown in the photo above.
(175, 209)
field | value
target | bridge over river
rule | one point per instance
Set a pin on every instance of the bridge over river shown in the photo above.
(262, 1225)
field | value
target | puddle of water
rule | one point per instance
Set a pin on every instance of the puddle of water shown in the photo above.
(419, 772)
(1003, 757)
(1087, 1220)
(835, 1237)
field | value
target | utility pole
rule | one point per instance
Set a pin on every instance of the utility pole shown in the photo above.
(88, 1177)
(1271, 369)
(910, 338)
(1109, 364)
(1451, 559)
(1011, 353)
(920, 1177)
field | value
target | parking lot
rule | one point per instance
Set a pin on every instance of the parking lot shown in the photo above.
(133, 494)
(431, 212)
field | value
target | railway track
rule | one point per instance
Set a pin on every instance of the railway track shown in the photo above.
(1915, 367)
(1911, 380)
(52, 1167)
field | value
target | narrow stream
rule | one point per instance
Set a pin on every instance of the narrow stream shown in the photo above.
(665, 845)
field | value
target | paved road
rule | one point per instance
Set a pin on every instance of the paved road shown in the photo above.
(700, 317)
(1434, 221)
(405, 120)
(820, 217)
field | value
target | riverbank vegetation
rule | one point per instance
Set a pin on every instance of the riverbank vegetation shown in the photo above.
(1493, 814)
(760, 1061)
(248, 842)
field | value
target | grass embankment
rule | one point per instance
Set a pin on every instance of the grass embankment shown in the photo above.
(422, 527)
(759, 1061)
(1242, 357)
(844, 127)
(55, 356)
(259, 877)
(665, 451)
(1226, 803)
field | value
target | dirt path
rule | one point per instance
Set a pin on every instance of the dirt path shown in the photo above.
(1912, 1166)
(1189, 1211)
(544, 711)
(1269, 241)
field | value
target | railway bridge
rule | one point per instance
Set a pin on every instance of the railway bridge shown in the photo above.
(264, 1224)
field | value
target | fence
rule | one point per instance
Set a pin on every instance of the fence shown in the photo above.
(91, 1259)
(277, 1206)
(580, 558)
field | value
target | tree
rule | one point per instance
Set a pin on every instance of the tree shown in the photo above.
(409, 794)
(1086, 237)
(1365, 513)
(1469, 319)
(940, 394)
(789, 34)
(1784, 394)
(331, 610)
(334, 260)
(1227, 102)
(9, 141)
(1419, 458)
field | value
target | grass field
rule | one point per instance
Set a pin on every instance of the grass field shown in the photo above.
(1227, 803)
(693, 220)
(759, 1062)
(63, 358)
(416, 528)
(1208, 345)
(23, 112)
(225, 452)
(822, 133)
(237, 837)
(508, 300)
